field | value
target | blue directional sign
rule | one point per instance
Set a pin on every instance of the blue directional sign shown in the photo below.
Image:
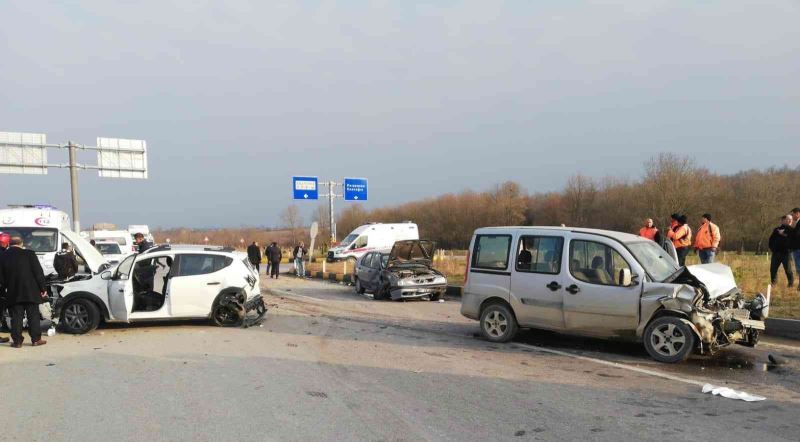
(355, 189)
(305, 187)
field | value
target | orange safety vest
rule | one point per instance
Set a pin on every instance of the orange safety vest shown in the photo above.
(707, 237)
(681, 237)
(648, 232)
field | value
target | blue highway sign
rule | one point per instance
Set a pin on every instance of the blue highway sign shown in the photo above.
(355, 189)
(305, 187)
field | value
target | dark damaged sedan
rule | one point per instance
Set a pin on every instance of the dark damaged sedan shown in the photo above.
(405, 273)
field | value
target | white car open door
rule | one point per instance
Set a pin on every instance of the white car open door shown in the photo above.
(120, 290)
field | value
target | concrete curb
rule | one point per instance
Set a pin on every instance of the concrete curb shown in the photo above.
(784, 328)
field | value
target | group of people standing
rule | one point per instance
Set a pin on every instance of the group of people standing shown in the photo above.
(706, 240)
(784, 243)
(23, 288)
(274, 255)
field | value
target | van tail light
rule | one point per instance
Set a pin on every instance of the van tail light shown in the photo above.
(466, 269)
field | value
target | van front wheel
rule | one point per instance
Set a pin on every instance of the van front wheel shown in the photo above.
(498, 323)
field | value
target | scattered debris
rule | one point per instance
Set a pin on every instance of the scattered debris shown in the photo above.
(776, 360)
(731, 393)
(441, 300)
(319, 394)
(50, 365)
(291, 345)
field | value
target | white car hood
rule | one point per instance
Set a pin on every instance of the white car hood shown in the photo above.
(89, 254)
(718, 278)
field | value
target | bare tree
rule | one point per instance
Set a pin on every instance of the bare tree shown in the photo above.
(293, 221)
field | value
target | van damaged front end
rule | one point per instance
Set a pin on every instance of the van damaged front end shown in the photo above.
(707, 299)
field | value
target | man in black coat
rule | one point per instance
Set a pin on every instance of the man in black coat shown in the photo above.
(254, 255)
(274, 255)
(65, 263)
(141, 243)
(780, 243)
(23, 278)
(4, 239)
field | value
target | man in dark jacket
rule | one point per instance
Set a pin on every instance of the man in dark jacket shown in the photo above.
(274, 255)
(23, 278)
(780, 244)
(65, 262)
(142, 243)
(299, 255)
(4, 240)
(254, 255)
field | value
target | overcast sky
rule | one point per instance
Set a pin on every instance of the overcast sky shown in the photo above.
(421, 98)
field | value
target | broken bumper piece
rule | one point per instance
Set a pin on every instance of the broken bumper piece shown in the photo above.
(254, 311)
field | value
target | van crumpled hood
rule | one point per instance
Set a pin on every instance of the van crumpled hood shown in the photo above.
(717, 278)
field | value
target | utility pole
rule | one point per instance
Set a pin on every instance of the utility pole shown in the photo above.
(331, 195)
(73, 184)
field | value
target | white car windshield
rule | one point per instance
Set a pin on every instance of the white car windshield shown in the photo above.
(655, 260)
(348, 239)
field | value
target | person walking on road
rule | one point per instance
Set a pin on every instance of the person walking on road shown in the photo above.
(142, 243)
(254, 256)
(23, 279)
(706, 241)
(274, 256)
(794, 243)
(650, 231)
(65, 263)
(4, 240)
(681, 237)
(299, 255)
(779, 244)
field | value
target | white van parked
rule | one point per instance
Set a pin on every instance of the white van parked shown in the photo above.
(374, 237)
(40, 228)
(121, 237)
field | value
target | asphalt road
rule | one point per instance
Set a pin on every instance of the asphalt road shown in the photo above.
(330, 364)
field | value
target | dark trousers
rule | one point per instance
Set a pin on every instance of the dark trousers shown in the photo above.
(3, 308)
(275, 268)
(682, 252)
(257, 266)
(18, 311)
(781, 259)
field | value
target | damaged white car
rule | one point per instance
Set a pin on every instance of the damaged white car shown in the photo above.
(178, 282)
(604, 284)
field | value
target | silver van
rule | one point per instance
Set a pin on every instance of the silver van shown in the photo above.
(604, 284)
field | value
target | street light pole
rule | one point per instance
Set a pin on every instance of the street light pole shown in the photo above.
(73, 181)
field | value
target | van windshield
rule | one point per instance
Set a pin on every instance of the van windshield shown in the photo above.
(348, 239)
(655, 260)
(35, 238)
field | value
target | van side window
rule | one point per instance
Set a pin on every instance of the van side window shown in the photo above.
(491, 252)
(540, 254)
(595, 263)
(360, 242)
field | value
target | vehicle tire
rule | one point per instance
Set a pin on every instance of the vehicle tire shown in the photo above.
(381, 292)
(668, 339)
(436, 296)
(498, 323)
(226, 316)
(359, 288)
(80, 316)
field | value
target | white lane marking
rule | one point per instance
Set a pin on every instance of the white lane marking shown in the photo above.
(780, 346)
(568, 354)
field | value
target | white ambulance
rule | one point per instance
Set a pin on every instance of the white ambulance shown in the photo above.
(40, 228)
(374, 237)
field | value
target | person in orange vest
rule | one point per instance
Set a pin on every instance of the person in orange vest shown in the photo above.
(650, 231)
(681, 237)
(707, 240)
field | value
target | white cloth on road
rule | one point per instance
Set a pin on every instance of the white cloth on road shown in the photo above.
(731, 393)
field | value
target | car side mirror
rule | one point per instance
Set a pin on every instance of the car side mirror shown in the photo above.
(106, 275)
(625, 278)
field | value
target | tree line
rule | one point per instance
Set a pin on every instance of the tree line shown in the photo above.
(745, 205)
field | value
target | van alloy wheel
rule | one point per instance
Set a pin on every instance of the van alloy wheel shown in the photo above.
(496, 324)
(669, 339)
